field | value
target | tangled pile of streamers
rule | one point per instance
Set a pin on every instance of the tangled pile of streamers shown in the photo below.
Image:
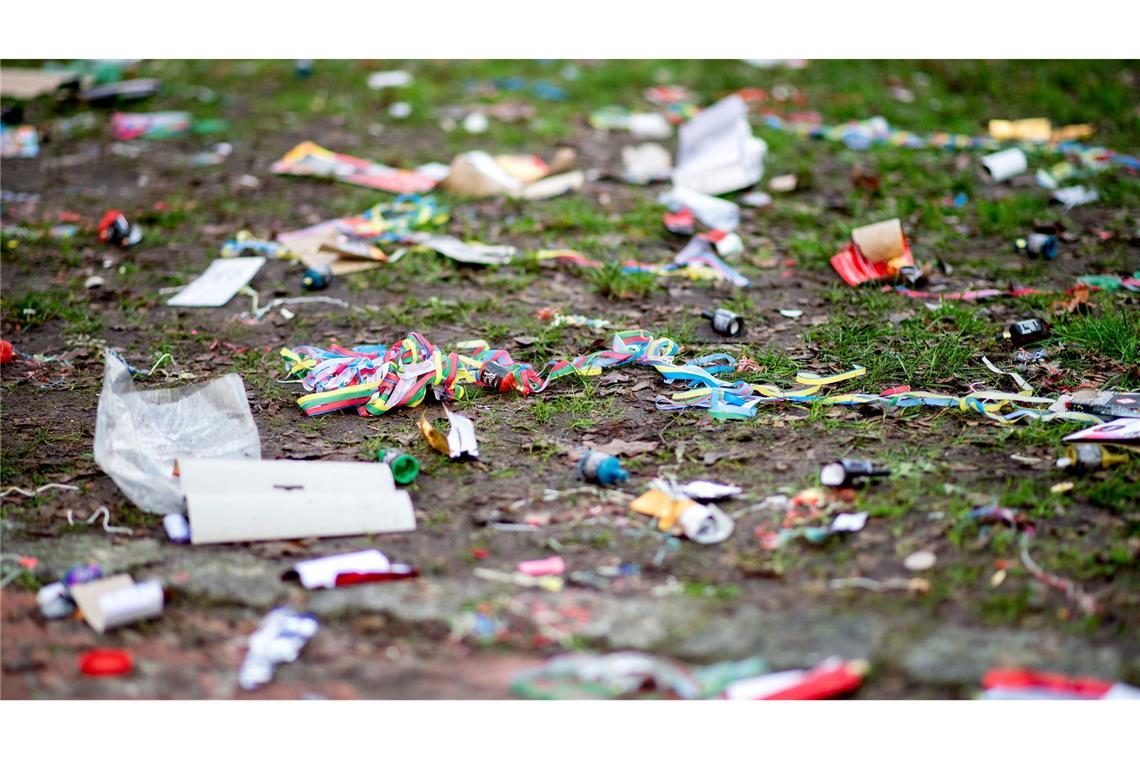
(374, 379)
(860, 135)
(377, 379)
(392, 221)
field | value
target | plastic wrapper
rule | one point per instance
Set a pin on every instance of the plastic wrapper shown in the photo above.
(140, 434)
(280, 638)
(718, 152)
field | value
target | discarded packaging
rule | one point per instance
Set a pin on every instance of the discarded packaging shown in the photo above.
(831, 678)
(1106, 403)
(1027, 130)
(1078, 195)
(1020, 683)
(849, 522)
(116, 601)
(706, 524)
(539, 567)
(1037, 245)
(704, 490)
(1027, 331)
(127, 89)
(725, 322)
(323, 572)
(159, 125)
(713, 212)
(717, 151)
(382, 80)
(876, 251)
(310, 160)
(405, 467)
(645, 163)
(844, 473)
(55, 601)
(880, 242)
(317, 278)
(478, 174)
(266, 500)
(601, 468)
(701, 523)
(460, 441)
(279, 638)
(616, 675)
(21, 141)
(1086, 457)
(1005, 164)
(116, 230)
(140, 434)
(177, 528)
(219, 283)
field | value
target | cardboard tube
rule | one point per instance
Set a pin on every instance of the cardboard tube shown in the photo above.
(1004, 164)
(880, 242)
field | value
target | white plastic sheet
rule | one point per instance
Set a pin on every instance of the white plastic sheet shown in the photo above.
(140, 434)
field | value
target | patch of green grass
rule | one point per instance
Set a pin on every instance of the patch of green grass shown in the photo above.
(610, 281)
(1113, 333)
(928, 351)
(37, 307)
(722, 592)
(1004, 608)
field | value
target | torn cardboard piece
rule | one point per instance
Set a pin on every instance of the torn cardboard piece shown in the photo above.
(219, 283)
(269, 500)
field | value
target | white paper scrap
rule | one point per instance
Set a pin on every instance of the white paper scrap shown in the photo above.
(849, 522)
(219, 283)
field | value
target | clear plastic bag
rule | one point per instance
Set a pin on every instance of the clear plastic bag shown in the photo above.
(140, 434)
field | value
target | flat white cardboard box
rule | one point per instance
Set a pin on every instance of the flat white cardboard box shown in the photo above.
(274, 499)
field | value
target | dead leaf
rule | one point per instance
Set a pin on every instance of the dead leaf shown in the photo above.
(618, 447)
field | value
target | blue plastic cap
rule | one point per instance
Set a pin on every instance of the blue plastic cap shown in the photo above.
(610, 471)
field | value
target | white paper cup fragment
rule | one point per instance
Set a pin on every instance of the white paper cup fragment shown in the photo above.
(1004, 164)
(706, 524)
(137, 602)
(920, 561)
(879, 242)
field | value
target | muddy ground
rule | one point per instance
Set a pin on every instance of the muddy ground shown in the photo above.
(450, 634)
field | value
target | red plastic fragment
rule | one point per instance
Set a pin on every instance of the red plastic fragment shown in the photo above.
(824, 683)
(106, 662)
(1021, 678)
